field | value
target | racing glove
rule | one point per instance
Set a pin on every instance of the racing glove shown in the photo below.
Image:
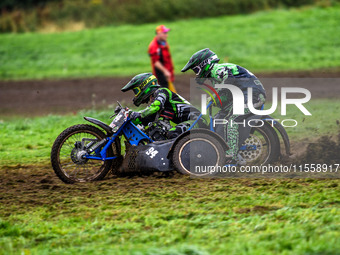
(135, 117)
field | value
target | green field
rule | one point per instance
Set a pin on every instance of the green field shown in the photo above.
(296, 39)
(177, 215)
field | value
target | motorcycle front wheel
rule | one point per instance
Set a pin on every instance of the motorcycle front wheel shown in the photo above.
(67, 155)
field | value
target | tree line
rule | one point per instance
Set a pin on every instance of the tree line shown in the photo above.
(32, 15)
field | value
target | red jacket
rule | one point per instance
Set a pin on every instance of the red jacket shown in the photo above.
(159, 52)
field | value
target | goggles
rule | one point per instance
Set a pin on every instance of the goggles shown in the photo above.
(196, 69)
(206, 63)
(138, 91)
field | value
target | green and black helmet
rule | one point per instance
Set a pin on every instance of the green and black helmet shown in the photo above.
(143, 85)
(201, 63)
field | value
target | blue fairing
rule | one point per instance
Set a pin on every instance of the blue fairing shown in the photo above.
(133, 134)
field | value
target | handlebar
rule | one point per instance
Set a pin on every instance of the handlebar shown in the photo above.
(118, 109)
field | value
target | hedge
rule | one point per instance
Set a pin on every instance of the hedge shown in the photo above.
(32, 15)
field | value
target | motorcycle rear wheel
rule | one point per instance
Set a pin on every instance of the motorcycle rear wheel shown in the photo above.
(66, 158)
(267, 146)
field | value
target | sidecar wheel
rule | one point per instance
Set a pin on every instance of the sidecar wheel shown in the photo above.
(67, 160)
(198, 154)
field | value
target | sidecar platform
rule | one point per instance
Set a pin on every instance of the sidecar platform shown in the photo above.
(148, 158)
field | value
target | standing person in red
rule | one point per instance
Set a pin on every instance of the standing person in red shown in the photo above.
(161, 61)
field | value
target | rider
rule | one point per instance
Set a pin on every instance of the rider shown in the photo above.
(163, 104)
(205, 65)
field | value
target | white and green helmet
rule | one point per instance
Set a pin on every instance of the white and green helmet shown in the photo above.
(201, 63)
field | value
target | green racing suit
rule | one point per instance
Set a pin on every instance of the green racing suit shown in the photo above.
(228, 73)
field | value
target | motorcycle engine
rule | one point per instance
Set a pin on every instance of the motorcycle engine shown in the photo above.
(158, 130)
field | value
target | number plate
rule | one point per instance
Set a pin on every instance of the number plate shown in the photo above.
(119, 120)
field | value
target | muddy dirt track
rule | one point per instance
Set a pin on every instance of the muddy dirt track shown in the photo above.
(23, 189)
(39, 97)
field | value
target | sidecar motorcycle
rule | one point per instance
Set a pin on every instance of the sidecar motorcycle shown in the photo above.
(84, 153)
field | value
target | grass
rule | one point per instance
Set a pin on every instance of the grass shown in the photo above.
(29, 140)
(296, 39)
(177, 215)
(321, 122)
